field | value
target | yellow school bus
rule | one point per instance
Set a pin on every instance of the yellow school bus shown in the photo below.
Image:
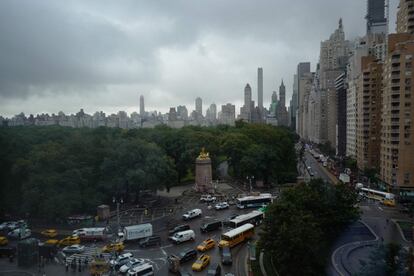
(237, 235)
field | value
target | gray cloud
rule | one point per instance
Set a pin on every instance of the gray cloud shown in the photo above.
(100, 55)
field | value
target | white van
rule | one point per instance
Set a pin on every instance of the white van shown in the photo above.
(183, 236)
(192, 214)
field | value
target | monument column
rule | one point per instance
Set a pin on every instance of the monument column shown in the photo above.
(203, 177)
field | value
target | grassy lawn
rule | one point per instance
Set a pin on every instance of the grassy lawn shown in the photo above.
(407, 228)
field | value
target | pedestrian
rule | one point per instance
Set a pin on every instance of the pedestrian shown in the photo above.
(67, 266)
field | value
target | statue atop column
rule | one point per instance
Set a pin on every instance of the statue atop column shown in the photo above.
(203, 177)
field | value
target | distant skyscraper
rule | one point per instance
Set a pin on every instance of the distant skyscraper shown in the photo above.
(199, 105)
(282, 94)
(182, 112)
(274, 97)
(376, 21)
(247, 96)
(228, 114)
(141, 106)
(260, 88)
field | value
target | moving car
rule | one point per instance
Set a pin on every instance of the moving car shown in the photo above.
(183, 236)
(131, 263)
(179, 228)
(192, 214)
(121, 260)
(113, 247)
(221, 206)
(201, 262)
(210, 226)
(174, 261)
(145, 269)
(50, 233)
(206, 245)
(214, 270)
(3, 240)
(226, 257)
(71, 240)
(20, 233)
(73, 249)
(150, 241)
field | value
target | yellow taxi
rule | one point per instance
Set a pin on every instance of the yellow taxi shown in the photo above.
(206, 245)
(113, 247)
(3, 240)
(52, 242)
(50, 233)
(71, 240)
(202, 262)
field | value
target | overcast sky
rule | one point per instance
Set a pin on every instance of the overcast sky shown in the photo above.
(101, 55)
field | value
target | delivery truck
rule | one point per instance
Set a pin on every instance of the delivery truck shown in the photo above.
(91, 234)
(135, 232)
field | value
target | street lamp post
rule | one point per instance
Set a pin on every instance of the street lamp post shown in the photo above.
(250, 181)
(118, 203)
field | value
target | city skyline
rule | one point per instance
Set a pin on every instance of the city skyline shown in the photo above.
(214, 63)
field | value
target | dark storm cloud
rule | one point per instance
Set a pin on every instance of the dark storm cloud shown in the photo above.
(102, 54)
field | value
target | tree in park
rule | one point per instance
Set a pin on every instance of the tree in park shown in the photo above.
(300, 226)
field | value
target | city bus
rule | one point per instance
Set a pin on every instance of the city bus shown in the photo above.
(385, 198)
(254, 201)
(254, 217)
(236, 236)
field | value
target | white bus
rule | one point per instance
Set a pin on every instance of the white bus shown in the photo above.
(254, 217)
(385, 198)
(254, 201)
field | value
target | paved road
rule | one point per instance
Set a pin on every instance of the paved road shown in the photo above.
(317, 168)
(157, 255)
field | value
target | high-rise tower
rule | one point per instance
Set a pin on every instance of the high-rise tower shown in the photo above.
(282, 94)
(199, 105)
(376, 21)
(141, 106)
(260, 88)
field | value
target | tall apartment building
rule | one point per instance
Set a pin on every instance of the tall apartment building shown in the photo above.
(333, 60)
(340, 87)
(368, 127)
(227, 115)
(397, 143)
(353, 73)
(302, 69)
(307, 103)
(247, 109)
(199, 105)
(405, 17)
(294, 103)
(281, 112)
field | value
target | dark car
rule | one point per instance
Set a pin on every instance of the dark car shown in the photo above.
(187, 255)
(214, 270)
(210, 226)
(226, 258)
(178, 228)
(150, 241)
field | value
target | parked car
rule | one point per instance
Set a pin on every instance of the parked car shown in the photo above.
(3, 240)
(73, 249)
(121, 260)
(207, 198)
(50, 233)
(226, 257)
(113, 247)
(130, 264)
(183, 236)
(221, 206)
(178, 228)
(192, 214)
(214, 270)
(150, 241)
(201, 262)
(206, 245)
(210, 226)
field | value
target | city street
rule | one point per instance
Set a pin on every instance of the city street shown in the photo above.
(158, 255)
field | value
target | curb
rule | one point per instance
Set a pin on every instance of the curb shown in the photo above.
(262, 268)
(400, 230)
(334, 264)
